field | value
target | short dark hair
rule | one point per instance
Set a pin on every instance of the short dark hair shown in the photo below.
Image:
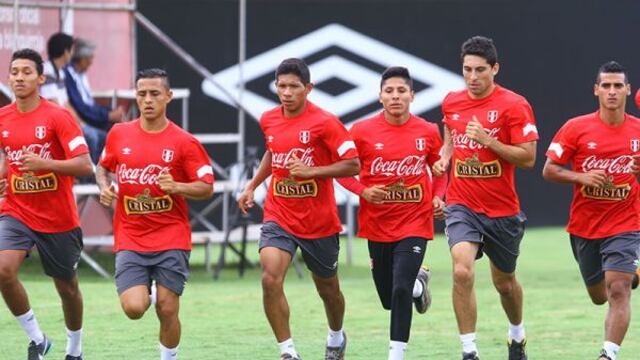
(154, 73)
(480, 46)
(296, 67)
(29, 54)
(397, 71)
(611, 67)
(58, 43)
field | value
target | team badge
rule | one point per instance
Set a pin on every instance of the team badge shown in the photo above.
(421, 144)
(41, 132)
(635, 145)
(167, 155)
(305, 136)
(492, 116)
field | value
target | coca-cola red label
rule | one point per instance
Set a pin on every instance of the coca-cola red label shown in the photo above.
(14, 156)
(412, 165)
(279, 160)
(619, 165)
(139, 176)
(462, 141)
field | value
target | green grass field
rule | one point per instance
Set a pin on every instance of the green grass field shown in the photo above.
(224, 320)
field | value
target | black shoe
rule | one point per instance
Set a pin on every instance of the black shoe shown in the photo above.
(69, 357)
(289, 357)
(470, 356)
(38, 351)
(603, 355)
(517, 350)
(336, 353)
(423, 302)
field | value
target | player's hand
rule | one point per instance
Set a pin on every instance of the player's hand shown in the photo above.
(107, 195)
(374, 194)
(438, 208)
(440, 167)
(245, 201)
(594, 178)
(635, 164)
(298, 168)
(3, 187)
(166, 182)
(475, 132)
(31, 161)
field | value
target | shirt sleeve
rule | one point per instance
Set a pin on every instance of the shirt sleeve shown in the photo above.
(563, 146)
(436, 145)
(108, 159)
(338, 141)
(197, 165)
(445, 120)
(522, 123)
(70, 135)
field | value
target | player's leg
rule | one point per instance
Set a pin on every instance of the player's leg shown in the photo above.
(408, 255)
(321, 257)
(619, 255)
(587, 255)
(133, 279)
(60, 254)
(276, 250)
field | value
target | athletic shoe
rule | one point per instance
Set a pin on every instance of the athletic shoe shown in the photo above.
(69, 357)
(603, 355)
(517, 350)
(636, 279)
(423, 302)
(336, 353)
(38, 351)
(289, 357)
(470, 356)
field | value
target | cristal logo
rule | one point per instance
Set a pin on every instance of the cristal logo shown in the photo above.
(358, 70)
(462, 140)
(42, 150)
(412, 165)
(137, 176)
(619, 165)
(279, 160)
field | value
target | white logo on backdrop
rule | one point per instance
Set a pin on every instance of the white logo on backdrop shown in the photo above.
(365, 81)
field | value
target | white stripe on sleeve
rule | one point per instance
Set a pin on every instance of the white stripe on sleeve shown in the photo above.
(346, 146)
(204, 170)
(77, 141)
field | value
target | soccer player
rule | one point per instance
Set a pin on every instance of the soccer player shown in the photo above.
(489, 130)
(397, 204)
(157, 165)
(602, 149)
(306, 148)
(44, 150)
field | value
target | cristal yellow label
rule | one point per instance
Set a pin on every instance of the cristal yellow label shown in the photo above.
(28, 183)
(146, 204)
(609, 191)
(290, 188)
(474, 168)
(398, 193)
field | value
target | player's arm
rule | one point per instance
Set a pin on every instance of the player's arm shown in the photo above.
(521, 155)
(195, 190)
(245, 201)
(440, 167)
(76, 166)
(107, 191)
(555, 172)
(374, 194)
(340, 168)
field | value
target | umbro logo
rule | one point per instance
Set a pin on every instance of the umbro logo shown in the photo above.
(126, 151)
(378, 146)
(270, 138)
(455, 117)
(591, 145)
(5, 134)
(417, 249)
(345, 67)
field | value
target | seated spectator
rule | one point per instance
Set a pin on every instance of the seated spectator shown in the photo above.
(59, 47)
(98, 119)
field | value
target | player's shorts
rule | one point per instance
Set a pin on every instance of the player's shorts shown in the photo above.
(320, 255)
(499, 237)
(614, 253)
(169, 269)
(59, 252)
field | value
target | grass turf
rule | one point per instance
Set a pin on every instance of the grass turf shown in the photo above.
(224, 320)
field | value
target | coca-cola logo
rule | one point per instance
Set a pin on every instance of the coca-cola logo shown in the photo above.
(462, 140)
(619, 165)
(279, 160)
(14, 156)
(412, 165)
(139, 176)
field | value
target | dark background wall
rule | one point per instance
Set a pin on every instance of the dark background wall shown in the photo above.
(549, 52)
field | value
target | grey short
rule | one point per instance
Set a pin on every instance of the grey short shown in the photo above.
(320, 255)
(59, 252)
(168, 268)
(499, 237)
(614, 253)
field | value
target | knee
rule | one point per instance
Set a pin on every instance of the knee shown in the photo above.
(328, 290)
(134, 311)
(271, 282)
(166, 310)
(7, 275)
(463, 275)
(402, 292)
(598, 300)
(69, 290)
(505, 287)
(619, 290)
